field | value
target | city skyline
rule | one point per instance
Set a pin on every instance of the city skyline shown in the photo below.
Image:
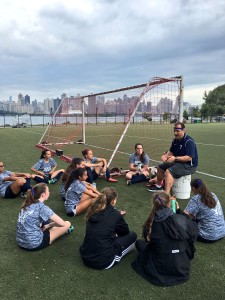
(83, 47)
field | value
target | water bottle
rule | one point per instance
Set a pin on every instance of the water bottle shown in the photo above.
(139, 167)
(94, 184)
(174, 205)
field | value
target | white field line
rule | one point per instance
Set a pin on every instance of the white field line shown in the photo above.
(199, 172)
(149, 138)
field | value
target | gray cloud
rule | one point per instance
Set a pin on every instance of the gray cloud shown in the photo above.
(113, 44)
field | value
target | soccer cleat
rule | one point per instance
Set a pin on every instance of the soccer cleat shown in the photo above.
(150, 184)
(155, 189)
(70, 230)
(53, 180)
(22, 195)
(111, 180)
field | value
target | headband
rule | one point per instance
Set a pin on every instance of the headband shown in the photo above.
(160, 200)
(176, 128)
(199, 182)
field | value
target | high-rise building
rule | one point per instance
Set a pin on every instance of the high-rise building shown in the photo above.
(27, 100)
(92, 107)
(20, 99)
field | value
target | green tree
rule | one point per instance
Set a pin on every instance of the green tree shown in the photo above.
(196, 112)
(166, 116)
(185, 114)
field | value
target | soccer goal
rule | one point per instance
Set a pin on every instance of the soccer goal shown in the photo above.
(110, 123)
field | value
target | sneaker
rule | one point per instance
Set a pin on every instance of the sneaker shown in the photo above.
(22, 195)
(70, 230)
(155, 189)
(111, 180)
(128, 182)
(53, 180)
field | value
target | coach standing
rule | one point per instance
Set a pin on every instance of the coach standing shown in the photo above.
(180, 160)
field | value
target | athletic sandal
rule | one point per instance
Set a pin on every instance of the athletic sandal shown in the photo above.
(70, 230)
(111, 180)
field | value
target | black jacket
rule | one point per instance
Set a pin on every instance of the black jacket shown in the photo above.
(99, 246)
(166, 259)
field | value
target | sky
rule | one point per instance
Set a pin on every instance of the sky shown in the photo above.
(51, 47)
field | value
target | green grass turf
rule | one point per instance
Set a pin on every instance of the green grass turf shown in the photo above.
(58, 272)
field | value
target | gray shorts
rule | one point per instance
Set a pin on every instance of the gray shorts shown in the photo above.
(178, 169)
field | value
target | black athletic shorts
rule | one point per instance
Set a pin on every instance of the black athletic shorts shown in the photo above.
(45, 242)
(178, 169)
(9, 193)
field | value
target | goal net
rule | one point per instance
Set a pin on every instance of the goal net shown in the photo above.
(112, 122)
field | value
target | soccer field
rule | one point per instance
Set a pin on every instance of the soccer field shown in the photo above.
(58, 271)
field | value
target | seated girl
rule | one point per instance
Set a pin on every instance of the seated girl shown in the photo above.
(13, 184)
(79, 193)
(75, 163)
(206, 209)
(45, 169)
(95, 166)
(168, 245)
(107, 237)
(34, 232)
(139, 164)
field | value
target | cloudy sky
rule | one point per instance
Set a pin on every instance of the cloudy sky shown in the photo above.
(81, 46)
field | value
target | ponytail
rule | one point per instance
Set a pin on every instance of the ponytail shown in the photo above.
(74, 175)
(73, 165)
(105, 198)
(160, 200)
(206, 196)
(34, 194)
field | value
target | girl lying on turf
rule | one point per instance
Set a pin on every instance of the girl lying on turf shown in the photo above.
(168, 245)
(45, 169)
(206, 209)
(34, 232)
(107, 237)
(79, 193)
(75, 163)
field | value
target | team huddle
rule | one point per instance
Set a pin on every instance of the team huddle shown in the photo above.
(167, 246)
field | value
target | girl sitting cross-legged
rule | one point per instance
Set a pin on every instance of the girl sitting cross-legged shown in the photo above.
(34, 231)
(79, 193)
(107, 237)
(45, 169)
(205, 208)
(168, 246)
(138, 166)
(95, 166)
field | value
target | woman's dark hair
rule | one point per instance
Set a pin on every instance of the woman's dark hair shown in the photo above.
(34, 194)
(206, 195)
(85, 152)
(142, 154)
(43, 153)
(74, 175)
(160, 200)
(73, 165)
(104, 199)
